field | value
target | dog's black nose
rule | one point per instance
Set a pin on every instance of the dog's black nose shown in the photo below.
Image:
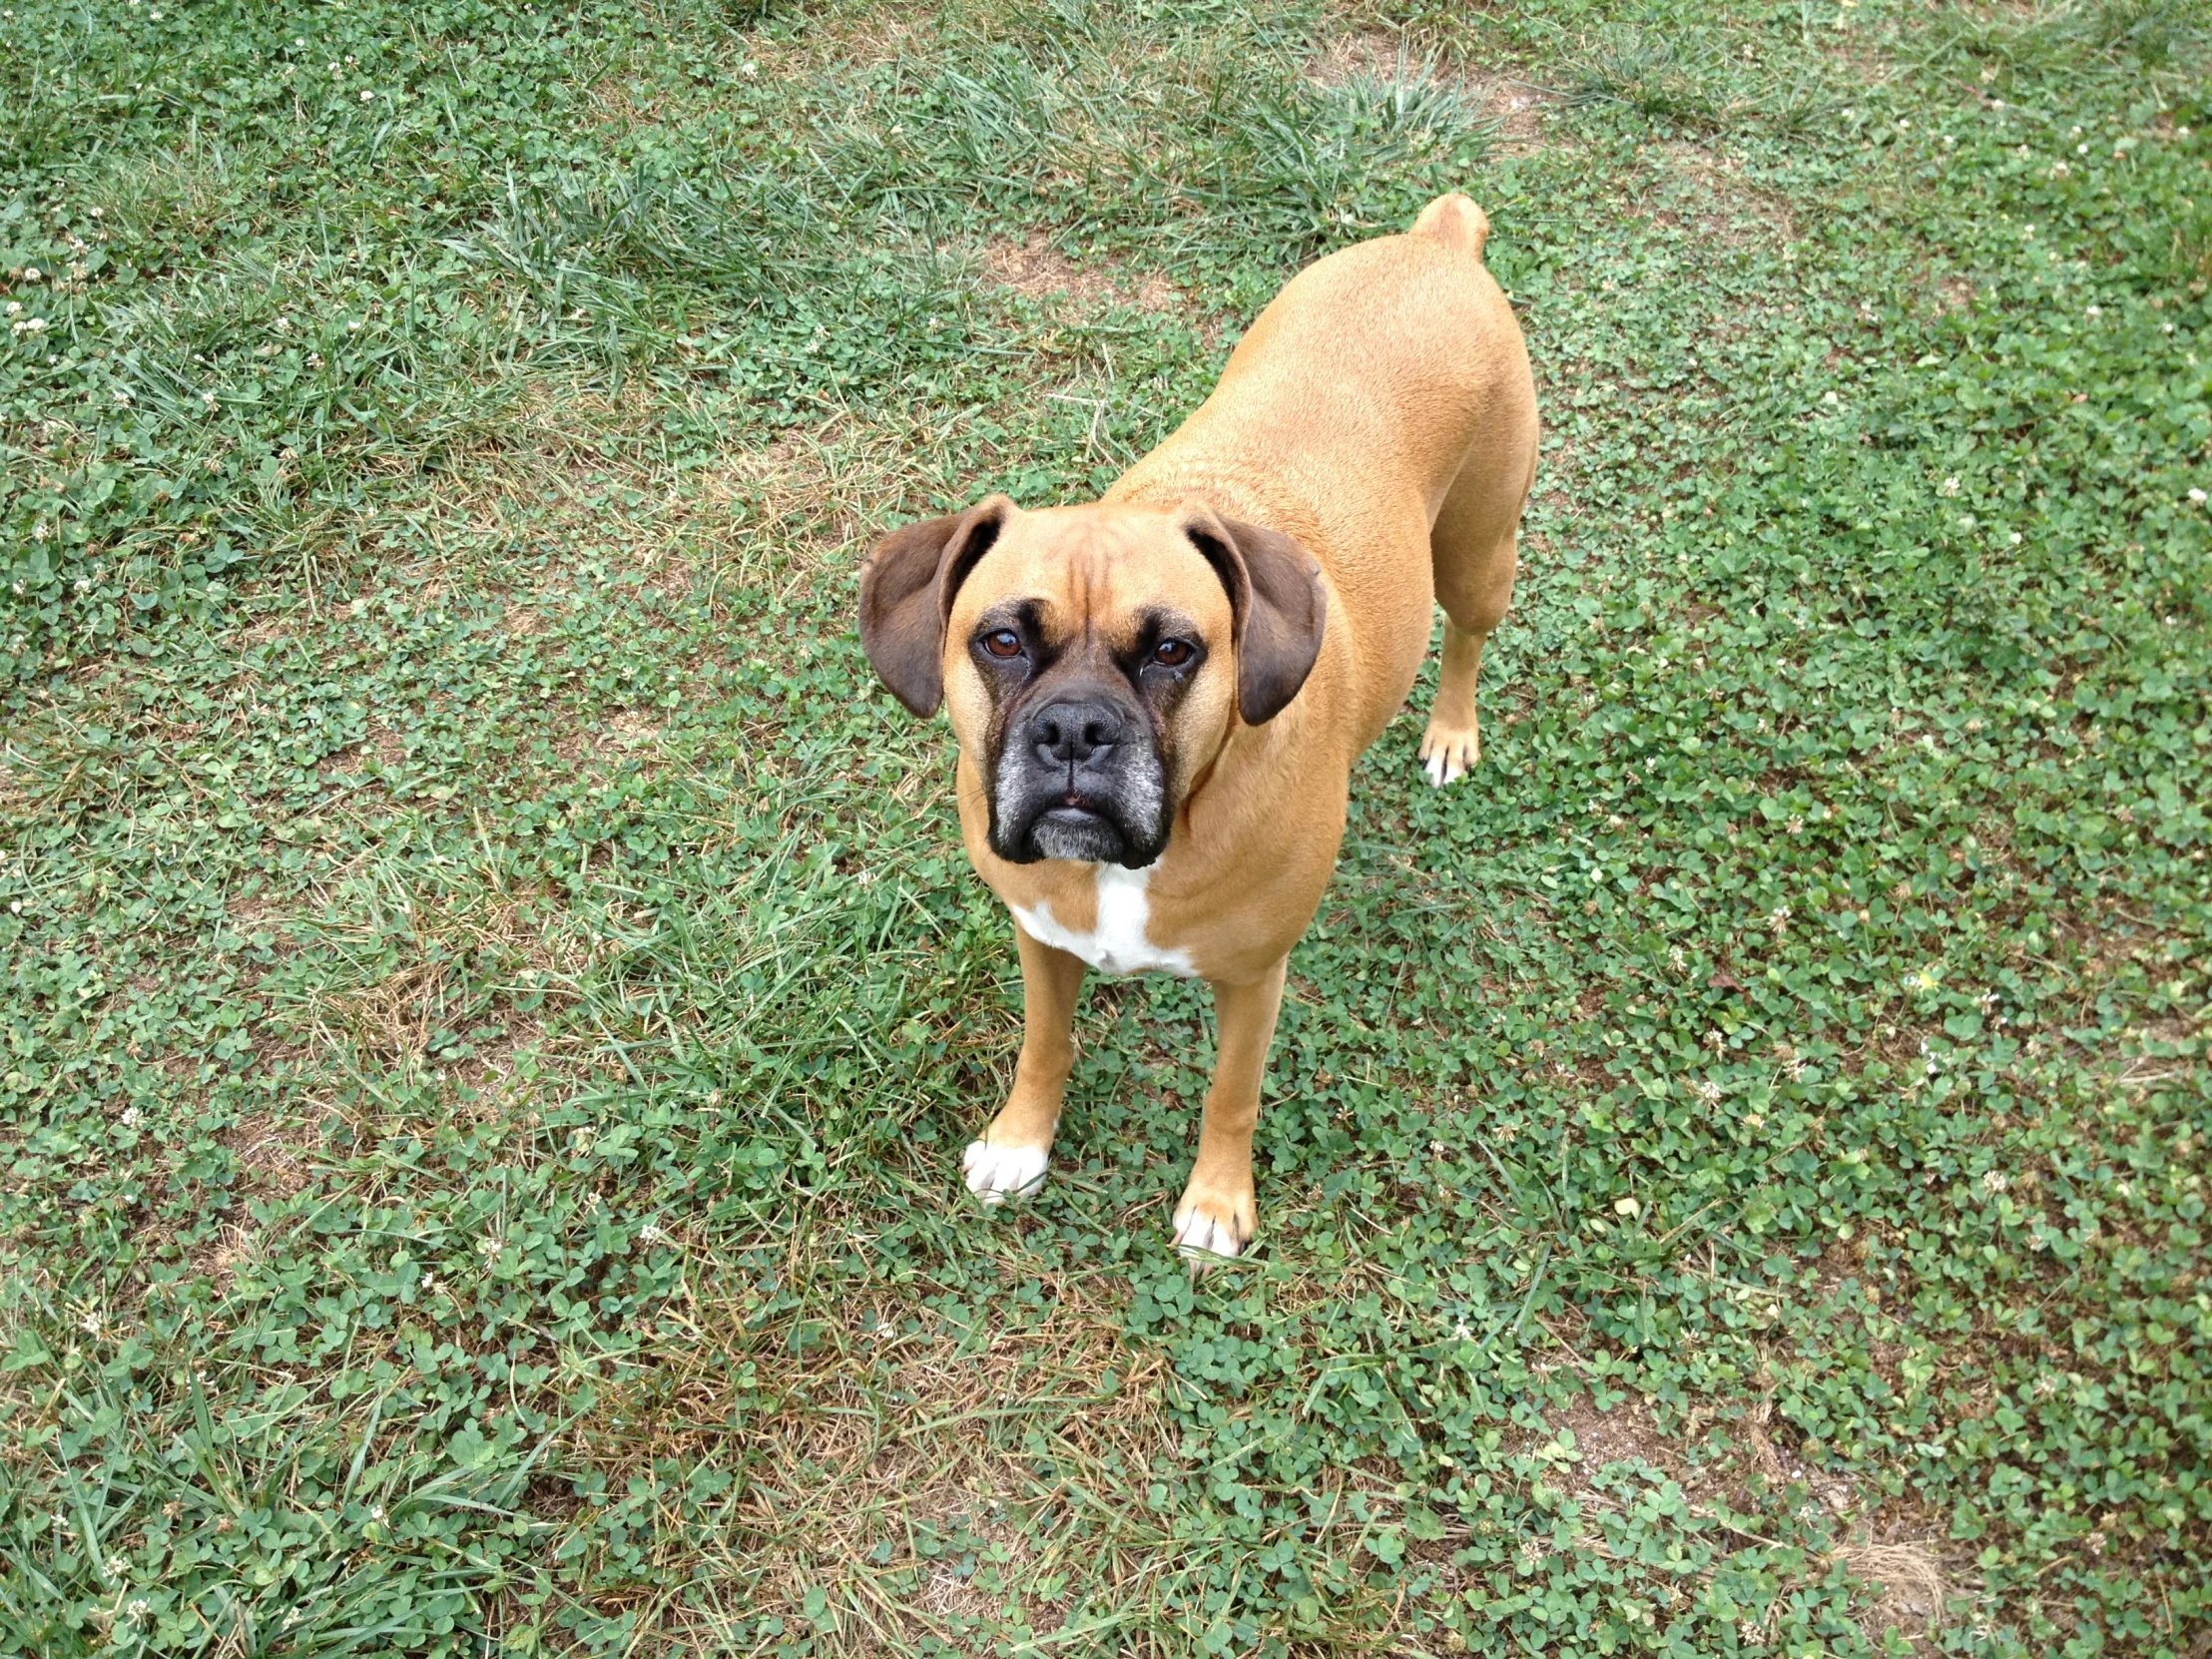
(1072, 734)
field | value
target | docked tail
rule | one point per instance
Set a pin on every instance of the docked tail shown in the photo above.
(1457, 222)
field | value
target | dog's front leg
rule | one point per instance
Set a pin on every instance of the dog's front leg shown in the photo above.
(1217, 1215)
(1008, 1162)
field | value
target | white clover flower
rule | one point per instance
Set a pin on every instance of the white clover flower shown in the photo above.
(1950, 486)
(2096, 310)
(2196, 498)
(366, 95)
(1994, 1181)
(131, 1117)
(30, 274)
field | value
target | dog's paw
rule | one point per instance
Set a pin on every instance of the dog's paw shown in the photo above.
(1212, 1225)
(998, 1173)
(1448, 753)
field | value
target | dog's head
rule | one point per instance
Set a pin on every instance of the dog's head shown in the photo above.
(1092, 658)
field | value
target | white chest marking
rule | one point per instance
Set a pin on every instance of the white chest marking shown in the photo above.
(1116, 944)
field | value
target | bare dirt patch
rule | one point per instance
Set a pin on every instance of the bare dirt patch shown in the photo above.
(1037, 268)
(1710, 193)
(272, 1158)
(522, 620)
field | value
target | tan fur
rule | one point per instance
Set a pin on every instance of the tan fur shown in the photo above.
(1381, 411)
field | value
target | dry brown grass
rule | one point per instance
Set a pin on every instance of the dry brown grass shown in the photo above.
(1036, 269)
(874, 1437)
(774, 515)
(1911, 1578)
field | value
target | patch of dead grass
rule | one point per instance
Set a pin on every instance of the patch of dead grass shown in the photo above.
(1038, 270)
(271, 1156)
(1521, 107)
(1910, 1578)
(860, 1440)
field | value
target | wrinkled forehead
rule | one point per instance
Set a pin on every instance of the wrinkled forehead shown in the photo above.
(1068, 569)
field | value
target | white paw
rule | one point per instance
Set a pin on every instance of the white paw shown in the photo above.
(1202, 1237)
(997, 1173)
(1446, 755)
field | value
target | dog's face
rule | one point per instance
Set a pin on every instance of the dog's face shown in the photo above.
(1092, 658)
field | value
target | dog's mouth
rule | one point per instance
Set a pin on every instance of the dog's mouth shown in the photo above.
(1078, 829)
(1085, 826)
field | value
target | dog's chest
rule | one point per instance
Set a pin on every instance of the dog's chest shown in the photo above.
(1117, 942)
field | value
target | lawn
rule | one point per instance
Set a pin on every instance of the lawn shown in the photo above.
(493, 999)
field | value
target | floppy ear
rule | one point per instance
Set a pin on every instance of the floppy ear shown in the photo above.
(906, 592)
(1278, 604)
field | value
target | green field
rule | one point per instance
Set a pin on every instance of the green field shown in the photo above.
(493, 999)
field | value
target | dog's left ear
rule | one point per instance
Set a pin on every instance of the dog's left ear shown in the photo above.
(1276, 602)
(906, 592)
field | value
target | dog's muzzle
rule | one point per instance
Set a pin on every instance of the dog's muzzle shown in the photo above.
(1080, 778)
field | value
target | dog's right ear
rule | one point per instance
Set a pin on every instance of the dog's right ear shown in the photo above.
(906, 592)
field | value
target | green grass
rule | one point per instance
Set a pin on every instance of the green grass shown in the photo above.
(494, 997)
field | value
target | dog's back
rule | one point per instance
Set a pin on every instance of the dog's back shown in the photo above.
(1358, 397)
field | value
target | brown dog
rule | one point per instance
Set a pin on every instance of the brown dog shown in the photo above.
(1159, 696)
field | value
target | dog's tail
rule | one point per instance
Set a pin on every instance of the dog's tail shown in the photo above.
(1457, 222)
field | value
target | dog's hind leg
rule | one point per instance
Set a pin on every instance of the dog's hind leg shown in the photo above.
(1473, 546)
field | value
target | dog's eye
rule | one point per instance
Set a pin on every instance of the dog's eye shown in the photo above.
(1172, 653)
(1002, 642)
